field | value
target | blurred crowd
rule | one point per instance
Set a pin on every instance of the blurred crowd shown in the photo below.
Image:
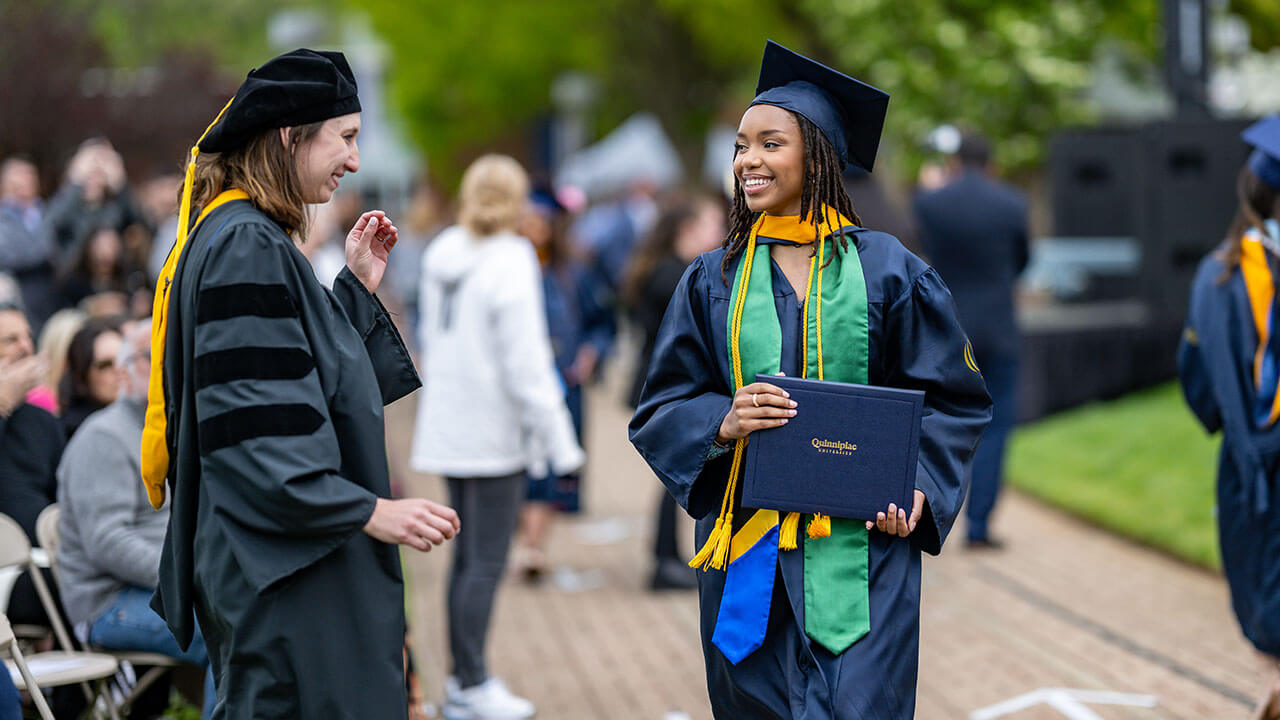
(78, 268)
(77, 274)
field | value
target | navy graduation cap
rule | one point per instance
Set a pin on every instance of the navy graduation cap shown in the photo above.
(849, 112)
(1264, 136)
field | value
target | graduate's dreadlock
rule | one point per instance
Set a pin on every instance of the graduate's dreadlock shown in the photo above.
(823, 187)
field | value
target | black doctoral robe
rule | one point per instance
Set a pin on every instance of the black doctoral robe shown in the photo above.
(275, 388)
(915, 342)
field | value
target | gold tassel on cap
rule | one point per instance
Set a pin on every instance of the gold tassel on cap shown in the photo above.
(155, 447)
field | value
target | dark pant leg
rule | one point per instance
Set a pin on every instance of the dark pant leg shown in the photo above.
(1001, 375)
(665, 546)
(488, 509)
(10, 703)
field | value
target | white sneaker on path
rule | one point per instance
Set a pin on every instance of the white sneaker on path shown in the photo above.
(490, 700)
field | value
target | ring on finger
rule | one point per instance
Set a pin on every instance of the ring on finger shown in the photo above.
(754, 397)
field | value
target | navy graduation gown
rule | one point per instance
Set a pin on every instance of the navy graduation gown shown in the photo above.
(274, 389)
(915, 342)
(1215, 365)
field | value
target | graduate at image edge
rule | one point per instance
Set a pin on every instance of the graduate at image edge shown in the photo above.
(1229, 365)
(820, 618)
(265, 416)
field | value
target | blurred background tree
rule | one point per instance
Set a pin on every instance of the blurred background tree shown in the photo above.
(1013, 68)
(470, 76)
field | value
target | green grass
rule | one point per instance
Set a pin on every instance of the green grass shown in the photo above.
(1140, 466)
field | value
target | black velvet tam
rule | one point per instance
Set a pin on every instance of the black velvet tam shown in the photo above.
(299, 87)
(849, 112)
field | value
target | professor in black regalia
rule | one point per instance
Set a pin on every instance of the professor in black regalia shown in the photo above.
(265, 415)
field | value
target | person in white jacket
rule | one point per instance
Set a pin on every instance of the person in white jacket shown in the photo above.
(492, 407)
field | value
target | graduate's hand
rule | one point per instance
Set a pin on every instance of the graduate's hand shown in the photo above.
(757, 406)
(895, 521)
(415, 522)
(368, 245)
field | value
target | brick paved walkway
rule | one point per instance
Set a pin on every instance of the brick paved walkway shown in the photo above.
(1065, 606)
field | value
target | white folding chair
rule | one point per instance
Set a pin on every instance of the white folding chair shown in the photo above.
(50, 538)
(54, 669)
(16, 552)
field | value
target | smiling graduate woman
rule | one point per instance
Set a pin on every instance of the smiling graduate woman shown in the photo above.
(265, 416)
(827, 626)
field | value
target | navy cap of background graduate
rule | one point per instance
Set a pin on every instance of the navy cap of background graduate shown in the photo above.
(297, 88)
(1264, 136)
(849, 112)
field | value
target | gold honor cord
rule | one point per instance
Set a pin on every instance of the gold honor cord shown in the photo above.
(715, 551)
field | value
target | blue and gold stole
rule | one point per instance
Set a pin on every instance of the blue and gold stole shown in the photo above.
(837, 610)
(1260, 286)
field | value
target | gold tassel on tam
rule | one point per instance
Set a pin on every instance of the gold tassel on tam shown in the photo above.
(788, 532)
(819, 526)
(155, 448)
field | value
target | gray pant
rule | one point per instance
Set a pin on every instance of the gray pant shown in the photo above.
(488, 508)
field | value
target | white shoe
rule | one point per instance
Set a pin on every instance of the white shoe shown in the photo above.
(490, 700)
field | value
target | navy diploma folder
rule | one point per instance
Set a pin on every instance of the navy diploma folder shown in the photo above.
(849, 451)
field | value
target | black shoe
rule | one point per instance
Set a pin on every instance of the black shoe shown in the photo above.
(671, 574)
(987, 543)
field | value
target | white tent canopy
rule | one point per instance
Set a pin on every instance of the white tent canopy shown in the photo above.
(638, 149)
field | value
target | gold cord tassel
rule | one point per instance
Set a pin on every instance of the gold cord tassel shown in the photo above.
(788, 532)
(720, 558)
(703, 558)
(819, 526)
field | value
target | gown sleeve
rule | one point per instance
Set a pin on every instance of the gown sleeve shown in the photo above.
(1193, 370)
(269, 454)
(684, 401)
(926, 349)
(391, 362)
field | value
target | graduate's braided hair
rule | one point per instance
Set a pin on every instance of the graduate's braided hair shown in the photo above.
(823, 186)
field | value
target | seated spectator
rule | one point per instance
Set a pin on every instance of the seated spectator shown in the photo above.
(95, 264)
(55, 338)
(90, 382)
(109, 560)
(96, 194)
(30, 447)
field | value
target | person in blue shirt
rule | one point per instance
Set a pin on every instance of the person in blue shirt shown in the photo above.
(1229, 365)
(830, 628)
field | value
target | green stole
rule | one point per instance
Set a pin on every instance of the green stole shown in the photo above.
(837, 609)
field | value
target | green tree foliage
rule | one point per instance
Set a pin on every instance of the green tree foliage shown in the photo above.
(1263, 17)
(1015, 70)
(138, 32)
(468, 73)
